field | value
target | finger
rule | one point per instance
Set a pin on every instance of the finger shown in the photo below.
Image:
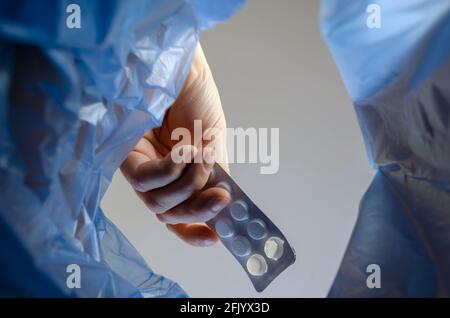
(194, 179)
(202, 208)
(194, 234)
(145, 175)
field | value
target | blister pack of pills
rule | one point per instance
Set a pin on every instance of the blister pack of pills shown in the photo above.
(251, 237)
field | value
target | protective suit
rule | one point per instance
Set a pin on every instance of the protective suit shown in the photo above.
(73, 103)
(398, 76)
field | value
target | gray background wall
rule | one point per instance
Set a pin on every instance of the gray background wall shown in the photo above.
(273, 70)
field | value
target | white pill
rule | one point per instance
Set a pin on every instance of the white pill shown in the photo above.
(240, 246)
(256, 265)
(239, 210)
(224, 228)
(274, 247)
(256, 229)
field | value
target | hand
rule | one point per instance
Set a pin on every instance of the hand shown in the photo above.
(174, 190)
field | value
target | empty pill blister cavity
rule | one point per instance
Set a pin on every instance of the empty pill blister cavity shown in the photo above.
(224, 227)
(274, 248)
(256, 229)
(256, 265)
(240, 246)
(239, 210)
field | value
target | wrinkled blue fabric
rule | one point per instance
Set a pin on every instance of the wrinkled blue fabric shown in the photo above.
(73, 103)
(398, 77)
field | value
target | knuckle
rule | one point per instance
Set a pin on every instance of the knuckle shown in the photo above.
(169, 217)
(137, 182)
(170, 168)
(161, 217)
(154, 205)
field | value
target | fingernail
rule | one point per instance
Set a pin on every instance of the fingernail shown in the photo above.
(218, 205)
